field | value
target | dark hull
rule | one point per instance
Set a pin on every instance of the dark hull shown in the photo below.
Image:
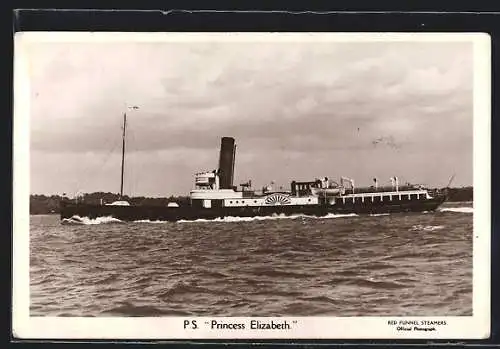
(160, 213)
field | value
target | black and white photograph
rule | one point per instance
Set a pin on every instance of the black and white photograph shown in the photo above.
(269, 178)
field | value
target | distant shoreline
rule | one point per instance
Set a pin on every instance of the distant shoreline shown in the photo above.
(43, 204)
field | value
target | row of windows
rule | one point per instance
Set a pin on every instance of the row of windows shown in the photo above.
(242, 201)
(385, 198)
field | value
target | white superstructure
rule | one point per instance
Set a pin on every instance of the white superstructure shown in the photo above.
(208, 194)
(215, 189)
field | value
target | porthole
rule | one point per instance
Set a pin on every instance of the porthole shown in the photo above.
(230, 202)
(255, 201)
(309, 200)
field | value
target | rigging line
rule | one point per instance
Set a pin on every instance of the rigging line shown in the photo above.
(101, 165)
(77, 182)
(130, 169)
(451, 180)
(135, 169)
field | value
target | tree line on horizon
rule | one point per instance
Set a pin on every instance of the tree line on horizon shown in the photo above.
(42, 204)
(45, 204)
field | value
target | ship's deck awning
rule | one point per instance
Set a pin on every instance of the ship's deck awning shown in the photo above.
(386, 193)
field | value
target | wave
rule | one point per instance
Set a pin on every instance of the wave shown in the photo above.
(426, 227)
(129, 309)
(232, 219)
(377, 284)
(77, 220)
(457, 209)
(182, 289)
(379, 214)
(150, 221)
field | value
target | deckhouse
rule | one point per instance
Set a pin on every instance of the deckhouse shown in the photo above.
(215, 189)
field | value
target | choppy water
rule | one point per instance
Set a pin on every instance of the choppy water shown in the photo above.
(397, 264)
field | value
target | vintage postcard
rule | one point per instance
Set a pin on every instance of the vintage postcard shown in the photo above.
(252, 185)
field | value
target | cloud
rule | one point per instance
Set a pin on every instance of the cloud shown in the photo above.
(317, 101)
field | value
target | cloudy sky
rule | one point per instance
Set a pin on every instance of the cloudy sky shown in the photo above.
(298, 110)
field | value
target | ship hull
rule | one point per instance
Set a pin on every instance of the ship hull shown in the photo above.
(160, 213)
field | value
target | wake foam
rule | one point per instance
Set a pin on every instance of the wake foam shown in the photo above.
(426, 227)
(77, 220)
(149, 221)
(232, 219)
(457, 209)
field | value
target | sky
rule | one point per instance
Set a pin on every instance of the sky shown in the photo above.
(298, 110)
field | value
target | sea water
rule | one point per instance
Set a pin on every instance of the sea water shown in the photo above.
(406, 264)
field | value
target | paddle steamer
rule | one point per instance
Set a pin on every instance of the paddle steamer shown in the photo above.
(215, 196)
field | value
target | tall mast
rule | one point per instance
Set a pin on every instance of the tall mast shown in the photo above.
(123, 152)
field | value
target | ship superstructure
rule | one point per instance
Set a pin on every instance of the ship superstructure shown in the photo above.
(214, 195)
(215, 189)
